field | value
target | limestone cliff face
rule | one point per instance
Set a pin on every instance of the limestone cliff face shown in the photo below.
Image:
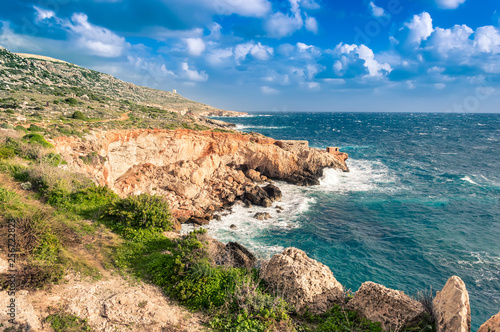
(198, 172)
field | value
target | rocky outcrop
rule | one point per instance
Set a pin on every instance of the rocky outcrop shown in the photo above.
(491, 325)
(199, 172)
(393, 309)
(451, 307)
(302, 281)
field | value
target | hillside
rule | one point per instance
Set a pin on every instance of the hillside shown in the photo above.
(40, 90)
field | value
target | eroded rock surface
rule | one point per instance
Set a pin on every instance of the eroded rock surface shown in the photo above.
(491, 325)
(302, 281)
(198, 172)
(452, 308)
(393, 309)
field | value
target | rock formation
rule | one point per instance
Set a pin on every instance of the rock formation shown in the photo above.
(393, 309)
(302, 281)
(491, 325)
(199, 172)
(451, 307)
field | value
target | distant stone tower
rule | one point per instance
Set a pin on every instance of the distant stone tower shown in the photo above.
(174, 90)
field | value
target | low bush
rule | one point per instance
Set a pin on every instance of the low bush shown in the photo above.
(142, 212)
(63, 322)
(78, 115)
(34, 128)
(37, 139)
(7, 152)
(90, 202)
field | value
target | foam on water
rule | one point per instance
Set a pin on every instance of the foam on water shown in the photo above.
(248, 229)
(243, 127)
(468, 179)
(364, 175)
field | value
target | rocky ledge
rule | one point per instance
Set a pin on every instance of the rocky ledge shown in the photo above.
(199, 172)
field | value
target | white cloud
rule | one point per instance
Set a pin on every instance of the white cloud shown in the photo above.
(251, 8)
(195, 46)
(420, 28)
(12, 41)
(351, 56)
(193, 75)
(376, 10)
(487, 39)
(268, 90)
(215, 30)
(257, 51)
(309, 4)
(456, 40)
(94, 39)
(311, 24)
(217, 57)
(43, 14)
(280, 25)
(449, 4)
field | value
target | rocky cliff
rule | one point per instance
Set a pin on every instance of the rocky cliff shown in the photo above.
(198, 171)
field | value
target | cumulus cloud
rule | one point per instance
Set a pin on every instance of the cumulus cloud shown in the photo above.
(449, 4)
(311, 24)
(450, 41)
(487, 39)
(376, 10)
(354, 60)
(191, 74)
(420, 28)
(280, 25)
(195, 46)
(257, 51)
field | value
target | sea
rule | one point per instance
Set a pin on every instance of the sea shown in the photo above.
(419, 205)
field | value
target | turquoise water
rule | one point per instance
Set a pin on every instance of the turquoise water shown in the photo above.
(420, 204)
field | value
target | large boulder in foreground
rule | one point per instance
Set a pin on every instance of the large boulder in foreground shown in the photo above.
(393, 309)
(302, 281)
(491, 325)
(451, 307)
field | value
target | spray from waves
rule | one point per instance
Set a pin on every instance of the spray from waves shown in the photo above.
(364, 175)
(249, 230)
(468, 179)
(242, 127)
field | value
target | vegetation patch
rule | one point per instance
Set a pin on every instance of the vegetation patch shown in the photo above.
(64, 322)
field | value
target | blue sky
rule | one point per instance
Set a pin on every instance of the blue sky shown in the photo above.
(291, 55)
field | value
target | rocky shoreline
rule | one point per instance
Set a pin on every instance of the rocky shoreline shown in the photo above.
(199, 172)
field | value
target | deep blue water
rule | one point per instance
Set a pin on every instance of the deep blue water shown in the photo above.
(420, 204)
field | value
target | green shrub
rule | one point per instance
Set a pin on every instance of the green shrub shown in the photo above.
(78, 115)
(6, 152)
(21, 128)
(62, 322)
(138, 212)
(7, 126)
(71, 101)
(37, 139)
(89, 202)
(10, 111)
(34, 127)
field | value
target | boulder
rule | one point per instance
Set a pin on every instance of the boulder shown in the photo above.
(273, 192)
(240, 256)
(302, 281)
(393, 309)
(451, 307)
(491, 325)
(262, 216)
(253, 175)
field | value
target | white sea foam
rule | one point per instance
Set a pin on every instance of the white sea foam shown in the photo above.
(364, 175)
(241, 127)
(468, 179)
(248, 229)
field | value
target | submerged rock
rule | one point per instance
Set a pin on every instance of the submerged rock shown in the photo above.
(452, 308)
(491, 325)
(302, 281)
(393, 309)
